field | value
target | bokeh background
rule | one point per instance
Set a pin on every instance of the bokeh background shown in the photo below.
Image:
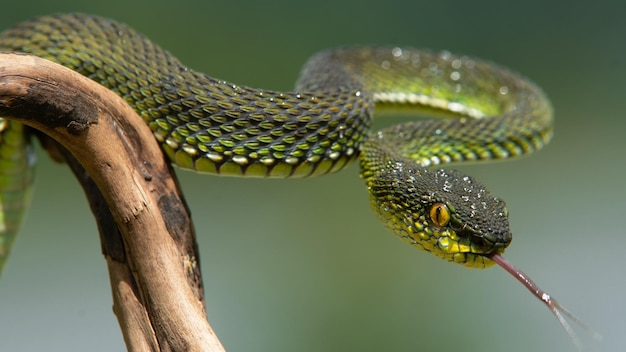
(303, 265)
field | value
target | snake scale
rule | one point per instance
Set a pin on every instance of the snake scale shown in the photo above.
(216, 127)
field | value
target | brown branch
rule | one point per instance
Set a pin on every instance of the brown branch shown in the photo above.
(147, 236)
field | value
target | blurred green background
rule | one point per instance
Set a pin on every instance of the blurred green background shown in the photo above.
(303, 265)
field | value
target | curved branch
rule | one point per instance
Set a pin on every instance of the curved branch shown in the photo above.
(156, 282)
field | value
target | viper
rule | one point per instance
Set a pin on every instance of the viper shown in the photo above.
(213, 126)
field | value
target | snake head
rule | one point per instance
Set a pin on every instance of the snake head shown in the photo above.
(441, 211)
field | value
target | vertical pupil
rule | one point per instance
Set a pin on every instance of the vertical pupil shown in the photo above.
(439, 214)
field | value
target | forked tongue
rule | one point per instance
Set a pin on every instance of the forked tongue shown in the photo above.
(558, 310)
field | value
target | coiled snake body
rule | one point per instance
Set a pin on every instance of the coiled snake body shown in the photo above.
(213, 126)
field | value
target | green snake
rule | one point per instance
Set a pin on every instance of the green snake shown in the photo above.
(216, 127)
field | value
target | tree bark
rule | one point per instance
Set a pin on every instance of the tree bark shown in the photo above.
(146, 232)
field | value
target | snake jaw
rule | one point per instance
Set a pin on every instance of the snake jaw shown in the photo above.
(484, 244)
(470, 250)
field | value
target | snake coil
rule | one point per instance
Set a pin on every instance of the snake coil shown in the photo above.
(217, 127)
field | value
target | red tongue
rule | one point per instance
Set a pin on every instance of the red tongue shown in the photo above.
(521, 277)
(558, 310)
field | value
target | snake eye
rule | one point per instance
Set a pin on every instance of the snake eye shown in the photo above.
(439, 214)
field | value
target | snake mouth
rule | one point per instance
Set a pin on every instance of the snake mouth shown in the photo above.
(485, 247)
(484, 243)
(453, 243)
(469, 248)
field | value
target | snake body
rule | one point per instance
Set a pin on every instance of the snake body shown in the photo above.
(213, 126)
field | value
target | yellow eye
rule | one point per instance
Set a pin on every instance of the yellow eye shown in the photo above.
(439, 214)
